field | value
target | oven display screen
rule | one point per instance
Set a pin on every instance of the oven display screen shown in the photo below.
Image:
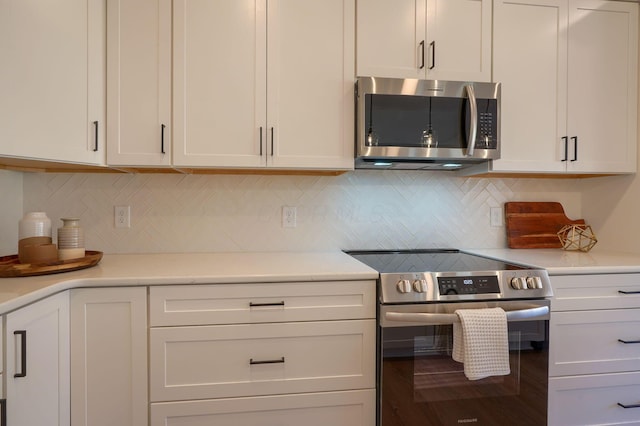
(468, 285)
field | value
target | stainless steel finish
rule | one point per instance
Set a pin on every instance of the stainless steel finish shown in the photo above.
(444, 313)
(473, 125)
(416, 158)
(506, 279)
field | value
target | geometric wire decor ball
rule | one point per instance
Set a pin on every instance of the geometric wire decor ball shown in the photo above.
(577, 237)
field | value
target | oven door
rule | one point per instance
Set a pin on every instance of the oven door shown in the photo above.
(420, 384)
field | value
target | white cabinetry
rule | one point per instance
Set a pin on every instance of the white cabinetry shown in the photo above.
(109, 356)
(594, 350)
(568, 70)
(52, 80)
(434, 39)
(263, 84)
(37, 363)
(139, 89)
(290, 353)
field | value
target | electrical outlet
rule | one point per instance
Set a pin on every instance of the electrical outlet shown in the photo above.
(122, 216)
(288, 217)
(497, 218)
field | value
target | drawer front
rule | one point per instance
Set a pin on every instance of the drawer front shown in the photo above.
(261, 359)
(593, 400)
(352, 408)
(261, 302)
(588, 342)
(582, 292)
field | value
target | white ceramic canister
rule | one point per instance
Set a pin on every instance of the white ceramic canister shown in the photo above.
(34, 224)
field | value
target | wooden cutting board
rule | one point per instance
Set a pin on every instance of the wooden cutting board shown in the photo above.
(535, 224)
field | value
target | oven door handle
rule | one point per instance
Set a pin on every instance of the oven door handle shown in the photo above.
(530, 314)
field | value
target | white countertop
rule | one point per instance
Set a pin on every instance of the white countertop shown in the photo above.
(187, 268)
(561, 262)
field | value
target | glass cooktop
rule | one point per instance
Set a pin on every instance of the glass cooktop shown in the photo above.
(428, 260)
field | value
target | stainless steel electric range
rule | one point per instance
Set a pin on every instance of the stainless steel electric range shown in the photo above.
(418, 381)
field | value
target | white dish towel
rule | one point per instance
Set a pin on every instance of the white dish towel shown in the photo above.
(481, 342)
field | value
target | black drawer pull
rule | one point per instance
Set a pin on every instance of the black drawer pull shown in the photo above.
(251, 304)
(267, 361)
(629, 292)
(23, 353)
(629, 406)
(628, 342)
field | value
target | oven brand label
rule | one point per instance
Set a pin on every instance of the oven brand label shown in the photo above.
(464, 421)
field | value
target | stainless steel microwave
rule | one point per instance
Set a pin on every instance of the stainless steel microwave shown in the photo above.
(426, 124)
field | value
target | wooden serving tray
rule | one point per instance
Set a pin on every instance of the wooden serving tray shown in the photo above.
(535, 224)
(10, 266)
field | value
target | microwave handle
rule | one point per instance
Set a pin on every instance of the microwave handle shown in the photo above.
(530, 314)
(473, 122)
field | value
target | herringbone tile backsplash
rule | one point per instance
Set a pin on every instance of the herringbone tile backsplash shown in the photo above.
(361, 209)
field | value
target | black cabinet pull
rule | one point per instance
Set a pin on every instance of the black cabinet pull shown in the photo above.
(628, 342)
(566, 147)
(267, 361)
(95, 146)
(251, 304)
(433, 54)
(162, 126)
(23, 353)
(628, 292)
(629, 406)
(421, 44)
(260, 141)
(272, 141)
(3, 414)
(575, 148)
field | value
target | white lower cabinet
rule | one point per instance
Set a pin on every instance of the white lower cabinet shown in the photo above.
(350, 408)
(37, 363)
(594, 361)
(263, 354)
(109, 356)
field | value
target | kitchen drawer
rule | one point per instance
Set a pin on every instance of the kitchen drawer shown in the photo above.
(260, 359)
(582, 292)
(586, 342)
(351, 408)
(593, 399)
(261, 302)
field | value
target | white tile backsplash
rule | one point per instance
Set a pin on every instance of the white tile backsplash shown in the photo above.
(361, 209)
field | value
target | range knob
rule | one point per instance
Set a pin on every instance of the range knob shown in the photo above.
(420, 286)
(518, 283)
(534, 282)
(404, 286)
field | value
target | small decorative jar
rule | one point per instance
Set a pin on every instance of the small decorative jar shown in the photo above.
(70, 239)
(34, 235)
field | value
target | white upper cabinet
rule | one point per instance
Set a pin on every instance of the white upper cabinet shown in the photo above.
(433, 39)
(569, 85)
(139, 82)
(52, 80)
(262, 83)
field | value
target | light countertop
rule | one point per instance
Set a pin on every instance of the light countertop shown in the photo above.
(187, 268)
(561, 262)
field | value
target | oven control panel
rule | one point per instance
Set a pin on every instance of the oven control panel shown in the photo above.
(477, 285)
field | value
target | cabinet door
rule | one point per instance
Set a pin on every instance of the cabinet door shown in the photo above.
(109, 357)
(52, 79)
(219, 97)
(530, 61)
(351, 408)
(37, 363)
(139, 89)
(594, 399)
(458, 43)
(310, 83)
(391, 37)
(225, 361)
(603, 49)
